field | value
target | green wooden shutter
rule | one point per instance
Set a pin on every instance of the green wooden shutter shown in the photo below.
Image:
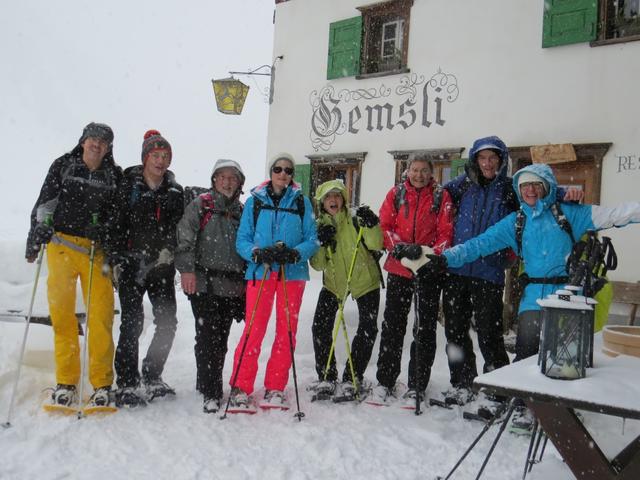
(303, 177)
(457, 167)
(344, 48)
(569, 21)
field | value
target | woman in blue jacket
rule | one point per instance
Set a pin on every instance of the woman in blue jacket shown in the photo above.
(277, 229)
(545, 246)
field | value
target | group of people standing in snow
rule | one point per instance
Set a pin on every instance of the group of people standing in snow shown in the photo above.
(236, 261)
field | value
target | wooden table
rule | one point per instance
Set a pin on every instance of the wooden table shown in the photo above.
(612, 387)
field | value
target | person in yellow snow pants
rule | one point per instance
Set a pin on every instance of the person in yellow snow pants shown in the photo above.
(66, 264)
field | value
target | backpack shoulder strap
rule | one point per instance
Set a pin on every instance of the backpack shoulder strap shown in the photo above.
(206, 209)
(561, 219)
(437, 198)
(520, 221)
(259, 205)
(400, 199)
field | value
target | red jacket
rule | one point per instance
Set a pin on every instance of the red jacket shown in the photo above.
(418, 224)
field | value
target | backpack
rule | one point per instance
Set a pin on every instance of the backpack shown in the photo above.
(259, 205)
(401, 193)
(208, 209)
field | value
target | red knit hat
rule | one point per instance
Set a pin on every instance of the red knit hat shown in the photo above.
(154, 141)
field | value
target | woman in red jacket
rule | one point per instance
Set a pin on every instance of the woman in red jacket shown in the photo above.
(417, 212)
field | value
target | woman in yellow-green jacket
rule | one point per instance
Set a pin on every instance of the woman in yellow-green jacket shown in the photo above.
(338, 233)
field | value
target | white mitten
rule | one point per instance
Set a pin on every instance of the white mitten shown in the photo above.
(415, 265)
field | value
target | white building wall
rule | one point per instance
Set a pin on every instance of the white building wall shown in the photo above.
(507, 86)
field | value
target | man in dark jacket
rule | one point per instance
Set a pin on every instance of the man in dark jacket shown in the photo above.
(483, 196)
(149, 204)
(75, 199)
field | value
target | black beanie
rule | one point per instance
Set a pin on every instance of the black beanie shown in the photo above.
(97, 130)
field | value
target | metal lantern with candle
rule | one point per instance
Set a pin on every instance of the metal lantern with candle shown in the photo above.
(566, 337)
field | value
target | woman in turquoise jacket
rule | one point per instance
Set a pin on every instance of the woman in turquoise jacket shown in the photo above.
(338, 233)
(277, 228)
(545, 245)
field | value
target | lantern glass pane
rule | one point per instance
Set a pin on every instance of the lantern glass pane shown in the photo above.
(230, 95)
(564, 345)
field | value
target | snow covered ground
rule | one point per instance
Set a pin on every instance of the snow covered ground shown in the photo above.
(175, 440)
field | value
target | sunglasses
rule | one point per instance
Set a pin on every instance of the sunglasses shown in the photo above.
(288, 170)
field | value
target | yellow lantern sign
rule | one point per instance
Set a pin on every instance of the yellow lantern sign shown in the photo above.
(230, 95)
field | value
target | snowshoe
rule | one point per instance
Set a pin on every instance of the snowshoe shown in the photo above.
(322, 390)
(346, 392)
(274, 400)
(380, 396)
(100, 402)
(239, 402)
(522, 422)
(211, 405)
(408, 400)
(129, 397)
(436, 402)
(63, 400)
(156, 389)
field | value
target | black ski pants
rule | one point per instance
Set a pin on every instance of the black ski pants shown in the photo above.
(213, 315)
(463, 298)
(159, 286)
(400, 292)
(362, 344)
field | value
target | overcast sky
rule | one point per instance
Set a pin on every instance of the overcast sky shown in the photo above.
(134, 65)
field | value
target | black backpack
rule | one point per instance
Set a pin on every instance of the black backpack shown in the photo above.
(259, 205)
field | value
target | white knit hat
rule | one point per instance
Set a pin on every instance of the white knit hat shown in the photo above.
(528, 177)
(282, 156)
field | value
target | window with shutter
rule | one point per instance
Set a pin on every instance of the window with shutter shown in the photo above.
(303, 177)
(344, 48)
(569, 21)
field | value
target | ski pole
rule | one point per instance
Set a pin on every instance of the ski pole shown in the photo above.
(341, 322)
(266, 267)
(43, 246)
(341, 313)
(416, 339)
(298, 414)
(83, 363)
(485, 429)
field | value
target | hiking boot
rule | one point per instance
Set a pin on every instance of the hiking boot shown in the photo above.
(274, 398)
(458, 396)
(211, 405)
(380, 395)
(64, 395)
(522, 421)
(238, 399)
(129, 397)
(409, 399)
(157, 388)
(323, 387)
(101, 397)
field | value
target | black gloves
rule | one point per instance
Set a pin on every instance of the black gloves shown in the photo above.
(437, 264)
(42, 233)
(327, 236)
(412, 251)
(366, 218)
(276, 254)
(287, 255)
(264, 255)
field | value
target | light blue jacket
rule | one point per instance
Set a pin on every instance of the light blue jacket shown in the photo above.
(545, 246)
(273, 226)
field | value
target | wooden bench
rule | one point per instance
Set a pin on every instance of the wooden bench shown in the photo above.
(627, 293)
